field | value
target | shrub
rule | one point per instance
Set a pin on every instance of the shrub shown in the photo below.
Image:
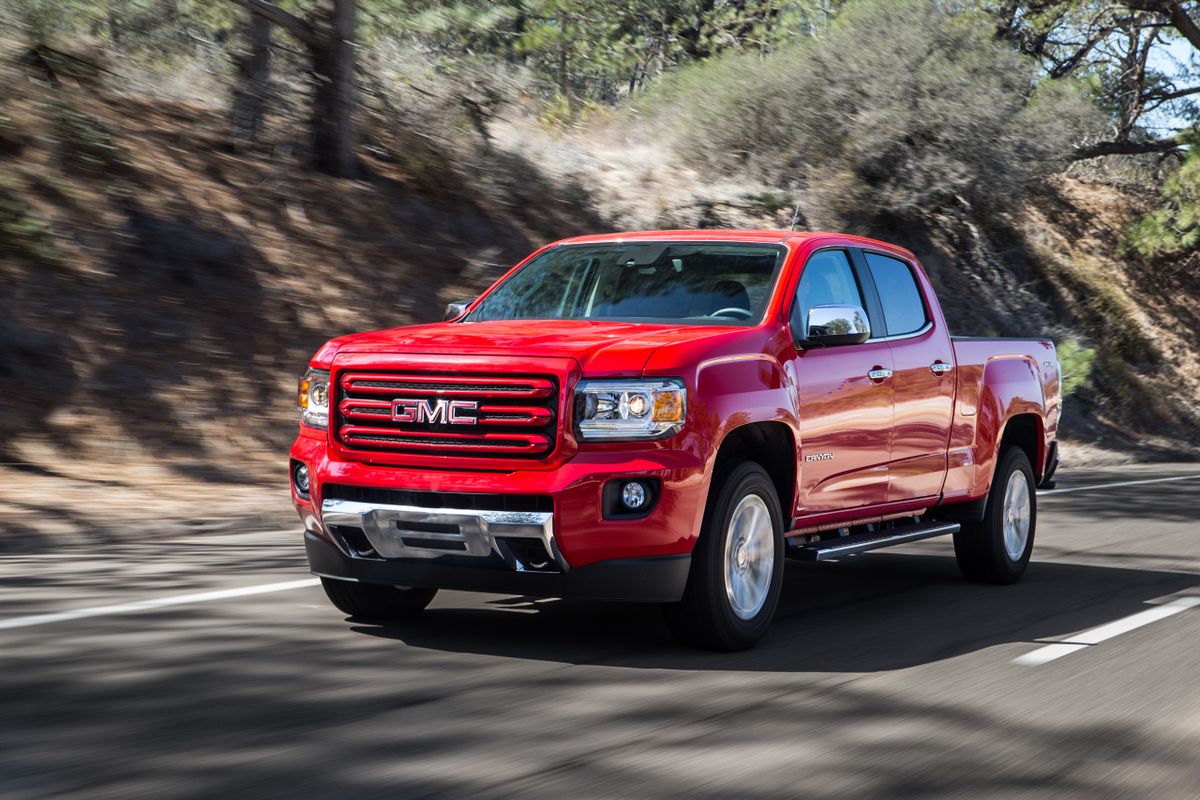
(1175, 226)
(1076, 361)
(900, 107)
(23, 233)
(86, 144)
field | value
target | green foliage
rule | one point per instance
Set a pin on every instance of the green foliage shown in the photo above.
(42, 19)
(900, 108)
(132, 24)
(1175, 227)
(23, 233)
(86, 144)
(578, 50)
(1076, 362)
(598, 49)
(769, 203)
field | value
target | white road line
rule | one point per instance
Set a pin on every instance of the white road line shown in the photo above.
(1111, 485)
(150, 605)
(1105, 632)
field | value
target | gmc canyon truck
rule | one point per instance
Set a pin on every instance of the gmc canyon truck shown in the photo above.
(665, 417)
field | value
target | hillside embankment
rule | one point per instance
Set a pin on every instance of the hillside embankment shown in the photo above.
(163, 289)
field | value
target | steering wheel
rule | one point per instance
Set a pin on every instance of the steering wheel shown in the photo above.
(733, 311)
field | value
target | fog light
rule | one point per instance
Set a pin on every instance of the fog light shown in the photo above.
(300, 478)
(633, 495)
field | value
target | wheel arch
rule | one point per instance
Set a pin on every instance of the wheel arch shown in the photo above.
(1025, 431)
(770, 444)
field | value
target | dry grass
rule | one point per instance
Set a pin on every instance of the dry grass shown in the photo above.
(1140, 314)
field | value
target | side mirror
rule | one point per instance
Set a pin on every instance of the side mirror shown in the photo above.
(456, 309)
(830, 326)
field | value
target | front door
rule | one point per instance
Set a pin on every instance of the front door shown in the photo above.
(844, 399)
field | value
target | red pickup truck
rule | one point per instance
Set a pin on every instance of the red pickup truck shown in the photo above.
(665, 417)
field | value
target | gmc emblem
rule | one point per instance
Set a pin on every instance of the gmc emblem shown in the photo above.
(453, 412)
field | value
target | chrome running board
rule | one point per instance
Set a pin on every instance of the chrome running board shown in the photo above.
(861, 543)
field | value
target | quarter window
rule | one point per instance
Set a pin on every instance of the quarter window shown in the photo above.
(827, 280)
(903, 309)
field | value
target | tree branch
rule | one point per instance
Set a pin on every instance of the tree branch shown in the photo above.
(1068, 65)
(1126, 148)
(1180, 19)
(1183, 22)
(286, 20)
(1158, 98)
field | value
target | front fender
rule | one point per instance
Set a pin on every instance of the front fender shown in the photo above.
(735, 391)
(740, 390)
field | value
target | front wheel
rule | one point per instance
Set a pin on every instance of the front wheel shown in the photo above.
(737, 566)
(997, 548)
(376, 600)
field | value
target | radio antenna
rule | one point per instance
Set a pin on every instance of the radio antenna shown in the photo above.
(795, 217)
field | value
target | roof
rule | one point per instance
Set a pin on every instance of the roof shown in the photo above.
(729, 235)
(710, 235)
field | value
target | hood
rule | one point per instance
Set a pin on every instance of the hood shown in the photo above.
(598, 347)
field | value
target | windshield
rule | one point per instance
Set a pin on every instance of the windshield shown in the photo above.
(696, 283)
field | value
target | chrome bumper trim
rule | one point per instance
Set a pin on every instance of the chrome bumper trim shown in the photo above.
(386, 527)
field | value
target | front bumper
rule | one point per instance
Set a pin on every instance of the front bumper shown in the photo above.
(573, 492)
(530, 532)
(524, 539)
(655, 579)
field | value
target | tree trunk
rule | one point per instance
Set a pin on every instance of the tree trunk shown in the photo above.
(333, 59)
(253, 77)
(329, 37)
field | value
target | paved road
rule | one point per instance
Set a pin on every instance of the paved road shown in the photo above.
(885, 675)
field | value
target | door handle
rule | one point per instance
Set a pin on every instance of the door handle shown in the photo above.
(879, 374)
(940, 367)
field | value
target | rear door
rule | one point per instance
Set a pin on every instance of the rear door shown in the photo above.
(923, 378)
(845, 413)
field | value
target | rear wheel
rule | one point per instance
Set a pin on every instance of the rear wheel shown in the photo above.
(737, 566)
(376, 600)
(997, 548)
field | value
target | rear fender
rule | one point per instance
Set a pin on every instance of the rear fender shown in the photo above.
(1010, 386)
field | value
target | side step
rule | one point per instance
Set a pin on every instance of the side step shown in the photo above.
(860, 543)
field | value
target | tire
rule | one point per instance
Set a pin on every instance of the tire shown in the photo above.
(376, 600)
(993, 550)
(728, 603)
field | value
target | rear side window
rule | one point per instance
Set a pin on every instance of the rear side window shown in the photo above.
(827, 280)
(903, 310)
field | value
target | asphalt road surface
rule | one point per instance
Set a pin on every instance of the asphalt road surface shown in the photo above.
(213, 666)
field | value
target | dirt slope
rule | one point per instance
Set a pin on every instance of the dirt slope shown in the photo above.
(162, 290)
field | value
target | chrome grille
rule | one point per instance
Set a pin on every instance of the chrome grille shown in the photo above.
(502, 416)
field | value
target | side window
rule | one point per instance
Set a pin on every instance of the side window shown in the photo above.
(827, 280)
(903, 309)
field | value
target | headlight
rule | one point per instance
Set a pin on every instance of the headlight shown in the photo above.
(313, 394)
(648, 408)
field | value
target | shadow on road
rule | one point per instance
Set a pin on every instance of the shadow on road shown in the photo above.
(546, 698)
(867, 614)
(1164, 502)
